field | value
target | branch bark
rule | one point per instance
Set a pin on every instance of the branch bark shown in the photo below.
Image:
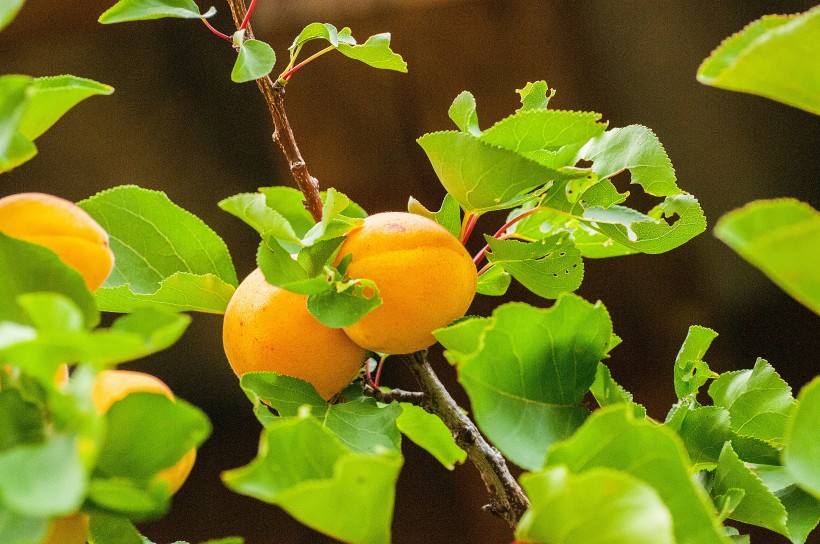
(274, 94)
(507, 499)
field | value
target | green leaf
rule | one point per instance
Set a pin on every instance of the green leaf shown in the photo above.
(758, 400)
(364, 426)
(305, 470)
(637, 149)
(21, 421)
(29, 268)
(344, 303)
(801, 454)
(481, 176)
(315, 31)
(758, 505)
(285, 395)
(143, 10)
(16, 528)
(768, 58)
(282, 270)
(43, 480)
(8, 11)
(375, 52)
(599, 505)
(782, 238)
(256, 59)
(431, 434)
(535, 96)
(613, 438)
(691, 372)
(529, 374)
(705, 430)
(804, 512)
(108, 529)
(493, 282)
(608, 392)
(153, 239)
(448, 216)
(547, 267)
(136, 500)
(15, 149)
(462, 112)
(51, 97)
(336, 218)
(253, 209)
(148, 432)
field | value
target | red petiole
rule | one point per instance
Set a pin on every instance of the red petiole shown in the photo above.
(470, 220)
(215, 31)
(247, 18)
(480, 255)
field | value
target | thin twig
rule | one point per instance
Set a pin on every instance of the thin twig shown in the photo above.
(507, 500)
(398, 395)
(274, 94)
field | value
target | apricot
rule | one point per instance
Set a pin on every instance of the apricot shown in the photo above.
(70, 529)
(425, 277)
(269, 329)
(62, 227)
(111, 386)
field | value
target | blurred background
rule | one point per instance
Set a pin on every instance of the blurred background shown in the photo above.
(177, 123)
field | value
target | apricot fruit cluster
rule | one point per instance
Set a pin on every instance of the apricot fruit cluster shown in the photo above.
(64, 228)
(426, 280)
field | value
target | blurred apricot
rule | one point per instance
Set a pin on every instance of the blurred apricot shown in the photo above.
(425, 277)
(111, 386)
(70, 529)
(269, 329)
(62, 227)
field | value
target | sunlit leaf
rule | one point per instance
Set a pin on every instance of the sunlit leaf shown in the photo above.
(691, 372)
(463, 113)
(256, 59)
(431, 434)
(375, 52)
(143, 10)
(8, 11)
(782, 238)
(15, 149)
(448, 215)
(535, 95)
(801, 454)
(493, 282)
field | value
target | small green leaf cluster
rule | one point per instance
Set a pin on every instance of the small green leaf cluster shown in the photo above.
(554, 171)
(330, 466)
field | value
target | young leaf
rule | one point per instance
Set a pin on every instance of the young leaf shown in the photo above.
(462, 112)
(344, 303)
(143, 10)
(315, 31)
(448, 215)
(768, 58)
(637, 149)
(431, 434)
(802, 445)
(339, 216)
(43, 480)
(281, 270)
(780, 237)
(15, 149)
(691, 372)
(608, 392)
(758, 505)
(29, 268)
(481, 176)
(599, 505)
(153, 239)
(535, 96)
(256, 59)
(375, 52)
(547, 267)
(493, 282)
(613, 438)
(8, 11)
(148, 432)
(304, 469)
(529, 374)
(758, 400)
(252, 208)
(51, 97)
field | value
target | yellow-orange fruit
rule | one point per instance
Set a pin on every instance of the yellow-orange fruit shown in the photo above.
(269, 329)
(62, 227)
(111, 386)
(70, 529)
(425, 277)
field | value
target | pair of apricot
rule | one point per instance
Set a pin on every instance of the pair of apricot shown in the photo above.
(426, 280)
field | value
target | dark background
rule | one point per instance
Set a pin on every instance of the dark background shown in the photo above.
(178, 124)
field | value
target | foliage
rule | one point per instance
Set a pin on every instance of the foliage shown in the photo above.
(605, 473)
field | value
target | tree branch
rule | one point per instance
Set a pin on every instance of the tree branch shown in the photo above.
(399, 395)
(507, 500)
(274, 94)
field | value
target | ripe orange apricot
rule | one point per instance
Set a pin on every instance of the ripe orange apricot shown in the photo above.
(62, 227)
(269, 329)
(111, 386)
(70, 529)
(425, 277)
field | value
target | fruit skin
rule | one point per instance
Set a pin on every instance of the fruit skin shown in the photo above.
(111, 386)
(70, 529)
(62, 227)
(269, 329)
(425, 277)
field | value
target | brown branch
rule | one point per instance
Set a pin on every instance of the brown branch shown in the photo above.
(399, 395)
(274, 94)
(507, 500)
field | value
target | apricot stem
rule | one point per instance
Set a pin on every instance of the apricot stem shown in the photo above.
(274, 93)
(507, 500)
